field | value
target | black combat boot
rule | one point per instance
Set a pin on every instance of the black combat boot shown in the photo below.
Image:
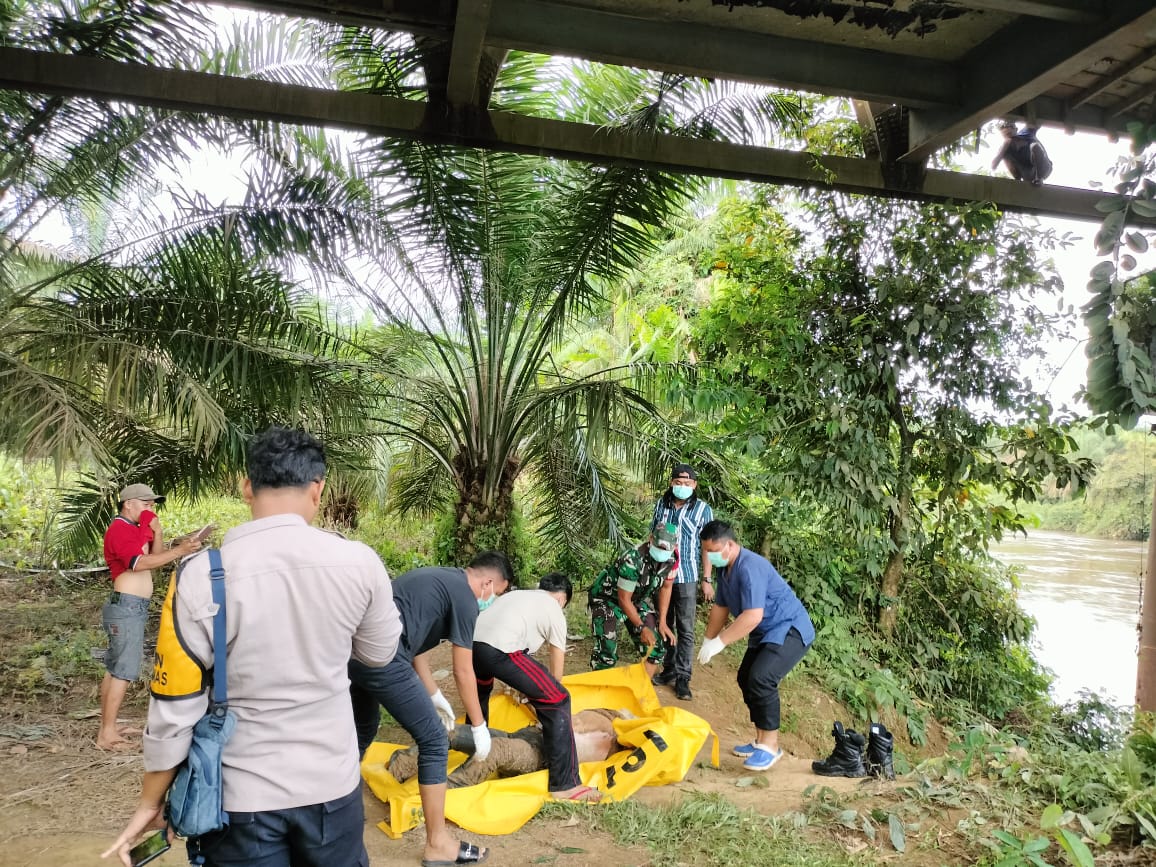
(847, 758)
(880, 745)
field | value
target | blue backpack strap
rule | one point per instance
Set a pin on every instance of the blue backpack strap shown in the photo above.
(220, 678)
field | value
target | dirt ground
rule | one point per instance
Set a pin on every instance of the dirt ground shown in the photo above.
(62, 800)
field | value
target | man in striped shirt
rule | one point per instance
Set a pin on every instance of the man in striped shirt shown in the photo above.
(681, 506)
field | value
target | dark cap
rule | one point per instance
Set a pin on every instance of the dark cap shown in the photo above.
(683, 470)
(664, 536)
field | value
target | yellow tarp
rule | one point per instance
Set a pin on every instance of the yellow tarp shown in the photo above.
(662, 741)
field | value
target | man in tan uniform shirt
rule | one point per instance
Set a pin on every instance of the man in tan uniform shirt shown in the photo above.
(297, 599)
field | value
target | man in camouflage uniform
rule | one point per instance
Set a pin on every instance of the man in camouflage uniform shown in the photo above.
(634, 592)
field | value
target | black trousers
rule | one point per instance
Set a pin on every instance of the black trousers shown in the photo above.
(680, 618)
(320, 835)
(398, 689)
(762, 669)
(549, 699)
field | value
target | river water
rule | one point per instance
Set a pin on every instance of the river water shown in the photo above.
(1084, 595)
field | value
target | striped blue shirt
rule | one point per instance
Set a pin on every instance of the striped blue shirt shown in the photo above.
(690, 519)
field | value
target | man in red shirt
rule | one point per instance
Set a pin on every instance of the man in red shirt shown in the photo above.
(133, 546)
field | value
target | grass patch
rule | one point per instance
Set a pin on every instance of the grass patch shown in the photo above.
(709, 830)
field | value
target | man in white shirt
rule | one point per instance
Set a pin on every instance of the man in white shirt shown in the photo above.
(515, 626)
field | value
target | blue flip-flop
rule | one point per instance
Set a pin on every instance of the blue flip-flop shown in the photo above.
(762, 759)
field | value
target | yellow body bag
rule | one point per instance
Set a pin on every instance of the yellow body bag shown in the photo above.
(662, 743)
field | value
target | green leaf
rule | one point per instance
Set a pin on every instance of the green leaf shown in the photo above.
(1036, 844)
(1050, 818)
(1111, 203)
(1103, 271)
(1144, 208)
(571, 850)
(1075, 848)
(1137, 242)
(898, 838)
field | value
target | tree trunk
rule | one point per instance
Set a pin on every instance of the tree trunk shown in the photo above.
(485, 518)
(1146, 663)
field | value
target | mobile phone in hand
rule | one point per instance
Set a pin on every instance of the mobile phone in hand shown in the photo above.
(202, 534)
(152, 847)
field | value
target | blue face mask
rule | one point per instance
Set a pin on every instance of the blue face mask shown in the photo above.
(681, 492)
(660, 555)
(716, 559)
(483, 604)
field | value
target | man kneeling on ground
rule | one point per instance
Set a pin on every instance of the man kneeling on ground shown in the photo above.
(508, 632)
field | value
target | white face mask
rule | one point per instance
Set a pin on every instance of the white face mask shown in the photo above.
(660, 555)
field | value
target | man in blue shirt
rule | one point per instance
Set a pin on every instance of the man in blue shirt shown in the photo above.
(767, 610)
(681, 507)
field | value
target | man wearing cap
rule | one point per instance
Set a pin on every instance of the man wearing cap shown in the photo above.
(133, 546)
(627, 592)
(681, 506)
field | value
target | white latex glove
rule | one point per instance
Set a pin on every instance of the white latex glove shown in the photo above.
(444, 708)
(482, 742)
(710, 648)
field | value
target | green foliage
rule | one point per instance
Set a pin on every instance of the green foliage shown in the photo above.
(867, 390)
(1120, 314)
(28, 502)
(45, 666)
(1118, 501)
(709, 830)
(1093, 765)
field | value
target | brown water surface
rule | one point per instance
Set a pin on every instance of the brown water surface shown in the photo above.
(1084, 594)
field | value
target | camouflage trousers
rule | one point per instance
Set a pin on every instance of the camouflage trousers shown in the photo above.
(607, 618)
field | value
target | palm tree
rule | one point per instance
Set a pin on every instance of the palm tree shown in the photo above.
(150, 346)
(476, 264)
(481, 264)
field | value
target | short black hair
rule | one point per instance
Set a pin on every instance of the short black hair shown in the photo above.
(557, 582)
(495, 561)
(718, 531)
(283, 457)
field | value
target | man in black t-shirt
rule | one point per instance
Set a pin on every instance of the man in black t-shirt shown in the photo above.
(437, 603)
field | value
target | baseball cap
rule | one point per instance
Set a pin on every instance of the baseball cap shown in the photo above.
(140, 491)
(683, 470)
(664, 536)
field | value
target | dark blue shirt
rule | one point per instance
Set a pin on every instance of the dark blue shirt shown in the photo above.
(750, 581)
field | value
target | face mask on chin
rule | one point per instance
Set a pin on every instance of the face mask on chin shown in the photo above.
(660, 555)
(483, 604)
(681, 492)
(716, 559)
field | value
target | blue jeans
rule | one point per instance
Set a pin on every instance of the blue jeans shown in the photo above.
(398, 689)
(319, 835)
(124, 618)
